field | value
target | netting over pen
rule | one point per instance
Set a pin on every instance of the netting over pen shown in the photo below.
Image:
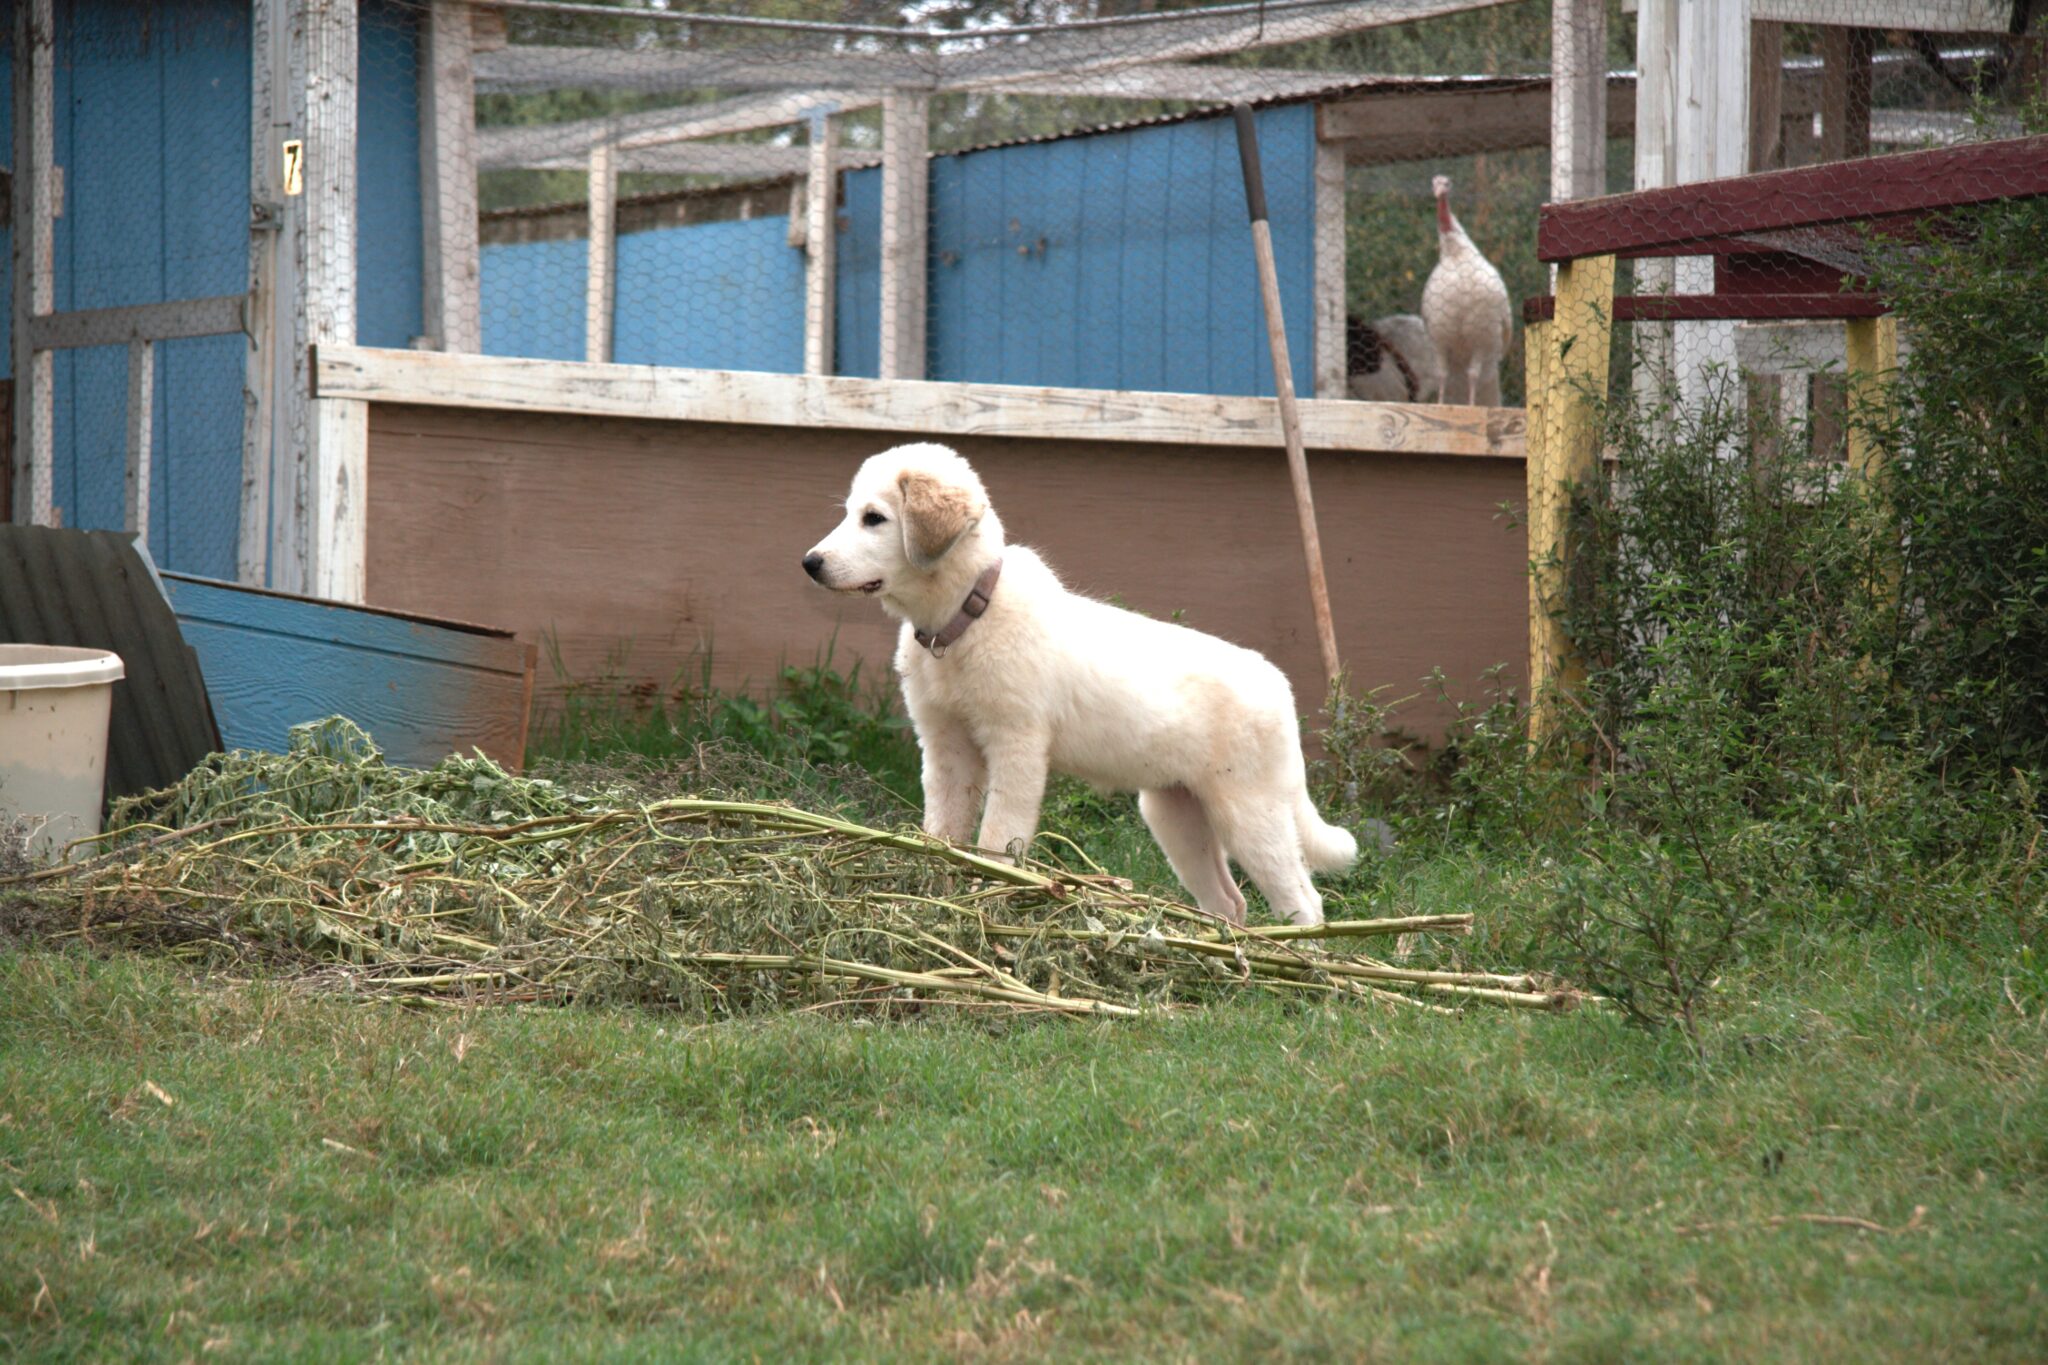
(1013, 192)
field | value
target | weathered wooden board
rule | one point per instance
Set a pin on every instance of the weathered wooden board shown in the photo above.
(638, 547)
(423, 688)
(904, 407)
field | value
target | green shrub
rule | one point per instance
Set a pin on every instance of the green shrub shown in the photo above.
(1968, 476)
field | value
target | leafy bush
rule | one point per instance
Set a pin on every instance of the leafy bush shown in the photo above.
(1969, 478)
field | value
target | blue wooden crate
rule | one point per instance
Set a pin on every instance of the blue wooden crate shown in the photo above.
(423, 688)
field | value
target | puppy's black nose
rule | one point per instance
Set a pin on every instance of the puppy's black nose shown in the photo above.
(814, 564)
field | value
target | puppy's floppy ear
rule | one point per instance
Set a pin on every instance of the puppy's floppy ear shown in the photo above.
(935, 515)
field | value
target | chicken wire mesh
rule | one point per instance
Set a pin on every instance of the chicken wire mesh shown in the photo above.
(148, 139)
(1079, 220)
(1895, 119)
(627, 182)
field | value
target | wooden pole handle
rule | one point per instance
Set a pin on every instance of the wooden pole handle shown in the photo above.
(1283, 386)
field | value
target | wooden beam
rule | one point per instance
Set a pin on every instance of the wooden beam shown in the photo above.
(1045, 63)
(173, 321)
(736, 160)
(341, 553)
(923, 409)
(821, 242)
(1766, 95)
(1578, 99)
(1183, 39)
(527, 68)
(521, 146)
(1727, 307)
(1052, 63)
(600, 279)
(1871, 347)
(906, 144)
(141, 425)
(1332, 364)
(1799, 347)
(1845, 92)
(1710, 140)
(1926, 16)
(524, 68)
(1808, 196)
(267, 26)
(1656, 122)
(1573, 371)
(451, 302)
(1711, 135)
(1542, 514)
(321, 224)
(34, 249)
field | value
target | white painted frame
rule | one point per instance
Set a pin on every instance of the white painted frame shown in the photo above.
(34, 250)
(911, 408)
(451, 314)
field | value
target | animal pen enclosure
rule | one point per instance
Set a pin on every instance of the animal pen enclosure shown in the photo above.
(573, 317)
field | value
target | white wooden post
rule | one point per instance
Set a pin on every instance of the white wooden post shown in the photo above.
(1332, 366)
(1710, 140)
(339, 513)
(821, 236)
(267, 26)
(35, 259)
(452, 311)
(906, 140)
(1656, 118)
(141, 425)
(599, 288)
(1578, 99)
(315, 475)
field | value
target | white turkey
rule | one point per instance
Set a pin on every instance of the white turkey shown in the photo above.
(1392, 360)
(1465, 304)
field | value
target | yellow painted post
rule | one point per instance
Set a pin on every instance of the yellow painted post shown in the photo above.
(1537, 349)
(1873, 360)
(1573, 369)
(1872, 346)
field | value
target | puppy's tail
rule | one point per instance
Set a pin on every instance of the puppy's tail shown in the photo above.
(1326, 847)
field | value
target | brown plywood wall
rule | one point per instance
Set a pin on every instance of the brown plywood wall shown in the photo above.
(640, 546)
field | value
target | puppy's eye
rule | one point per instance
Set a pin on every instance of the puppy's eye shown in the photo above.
(872, 519)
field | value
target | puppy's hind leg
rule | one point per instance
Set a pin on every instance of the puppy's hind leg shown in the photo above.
(1177, 820)
(1260, 833)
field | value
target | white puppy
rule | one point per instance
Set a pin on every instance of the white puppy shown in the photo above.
(1009, 675)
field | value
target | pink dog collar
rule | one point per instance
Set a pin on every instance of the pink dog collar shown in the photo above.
(970, 612)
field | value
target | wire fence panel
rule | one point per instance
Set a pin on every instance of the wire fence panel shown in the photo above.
(150, 196)
(1078, 212)
(1000, 191)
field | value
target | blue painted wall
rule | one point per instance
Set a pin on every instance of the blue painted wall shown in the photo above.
(152, 129)
(857, 282)
(721, 296)
(726, 296)
(388, 241)
(532, 298)
(1121, 260)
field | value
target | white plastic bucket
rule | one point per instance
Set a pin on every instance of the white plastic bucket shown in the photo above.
(54, 704)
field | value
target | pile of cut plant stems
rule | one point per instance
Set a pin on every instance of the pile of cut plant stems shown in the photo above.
(464, 883)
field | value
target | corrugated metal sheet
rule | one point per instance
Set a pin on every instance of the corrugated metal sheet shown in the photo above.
(1120, 260)
(92, 589)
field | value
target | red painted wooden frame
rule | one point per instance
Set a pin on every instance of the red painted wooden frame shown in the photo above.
(1723, 307)
(1651, 222)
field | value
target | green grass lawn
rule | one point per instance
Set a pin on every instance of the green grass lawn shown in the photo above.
(195, 1168)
